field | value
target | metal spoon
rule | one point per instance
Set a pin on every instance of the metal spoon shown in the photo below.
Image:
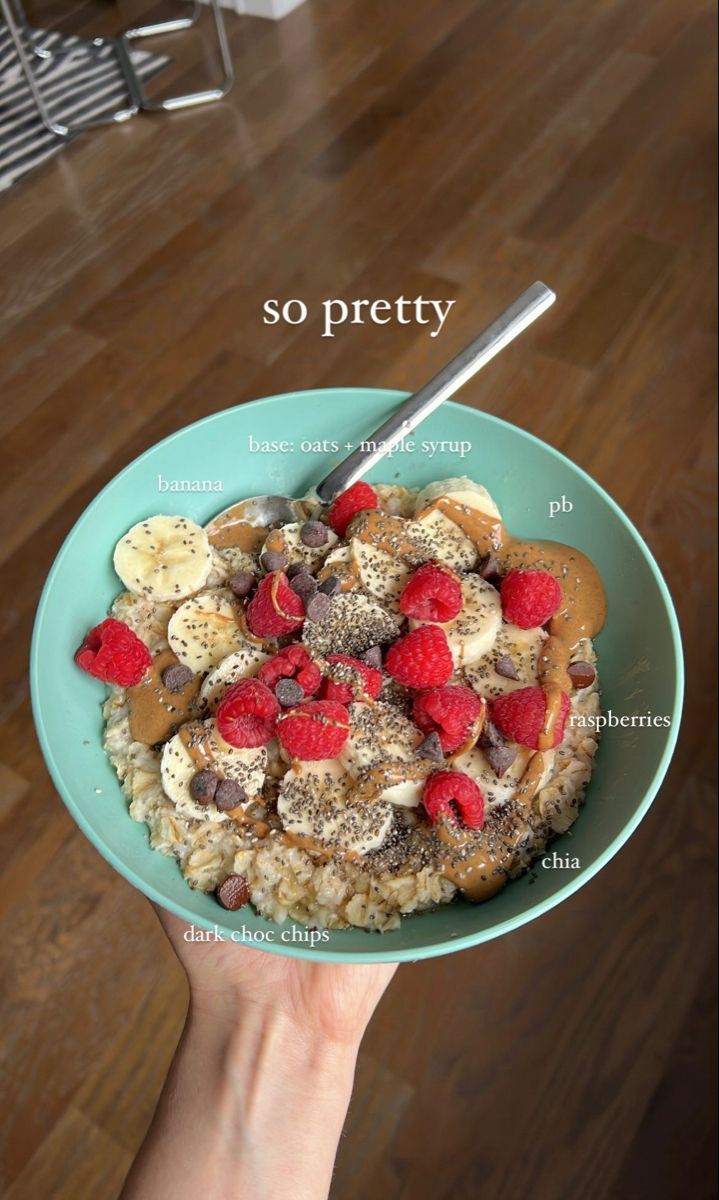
(267, 512)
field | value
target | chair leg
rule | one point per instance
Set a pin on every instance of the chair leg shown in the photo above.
(189, 99)
(30, 35)
(27, 51)
(171, 26)
(26, 58)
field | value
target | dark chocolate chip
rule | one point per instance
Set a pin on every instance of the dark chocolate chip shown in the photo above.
(242, 583)
(330, 585)
(233, 893)
(314, 534)
(318, 606)
(505, 667)
(431, 748)
(203, 786)
(500, 758)
(289, 692)
(489, 569)
(304, 586)
(229, 794)
(373, 656)
(274, 560)
(489, 737)
(298, 568)
(581, 673)
(176, 677)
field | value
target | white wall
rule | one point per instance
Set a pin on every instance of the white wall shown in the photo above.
(274, 9)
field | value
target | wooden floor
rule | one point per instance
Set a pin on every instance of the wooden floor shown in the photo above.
(457, 150)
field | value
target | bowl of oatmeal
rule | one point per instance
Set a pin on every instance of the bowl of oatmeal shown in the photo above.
(388, 729)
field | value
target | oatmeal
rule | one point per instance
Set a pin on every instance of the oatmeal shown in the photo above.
(369, 711)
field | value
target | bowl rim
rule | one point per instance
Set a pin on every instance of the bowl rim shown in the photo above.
(368, 954)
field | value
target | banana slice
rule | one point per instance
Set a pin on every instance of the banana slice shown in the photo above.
(473, 632)
(522, 646)
(242, 664)
(287, 540)
(499, 791)
(312, 804)
(147, 618)
(341, 564)
(445, 541)
(165, 558)
(177, 767)
(462, 494)
(383, 740)
(204, 630)
(381, 574)
(462, 490)
(227, 562)
(339, 554)
(353, 624)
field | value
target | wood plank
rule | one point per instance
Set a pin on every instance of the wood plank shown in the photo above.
(616, 143)
(77, 1161)
(617, 299)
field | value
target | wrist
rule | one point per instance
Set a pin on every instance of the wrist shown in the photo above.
(276, 1085)
(303, 1064)
(318, 1033)
(251, 1106)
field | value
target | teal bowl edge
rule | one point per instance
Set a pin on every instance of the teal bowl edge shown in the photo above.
(369, 955)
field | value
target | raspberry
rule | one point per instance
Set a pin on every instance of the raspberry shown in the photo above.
(292, 663)
(368, 684)
(355, 500)
(451, 712)
(433, 593)
(530, 598)
(520, 716)
(454, 795)
(113, 653)
(317, 729)
(421, 659)
(246, 717)
(274, 609)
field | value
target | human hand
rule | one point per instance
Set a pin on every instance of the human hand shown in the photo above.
(256, 1095)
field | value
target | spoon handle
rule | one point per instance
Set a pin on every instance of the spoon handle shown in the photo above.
(525, 309)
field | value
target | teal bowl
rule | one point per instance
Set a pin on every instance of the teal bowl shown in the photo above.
(639, 650)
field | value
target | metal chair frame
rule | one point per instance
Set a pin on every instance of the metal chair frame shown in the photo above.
(27, 49)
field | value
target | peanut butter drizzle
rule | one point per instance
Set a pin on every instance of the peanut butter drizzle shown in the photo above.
(241, 619)
(346, 572)
(375, 779)
(387, 533)
(230, 530)
(478, 875)
(197, 743)
(256, 827)
(487, 532)
(276, 541)
(530, 781)
(304, 841)
(154, 712)
(274, 589)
